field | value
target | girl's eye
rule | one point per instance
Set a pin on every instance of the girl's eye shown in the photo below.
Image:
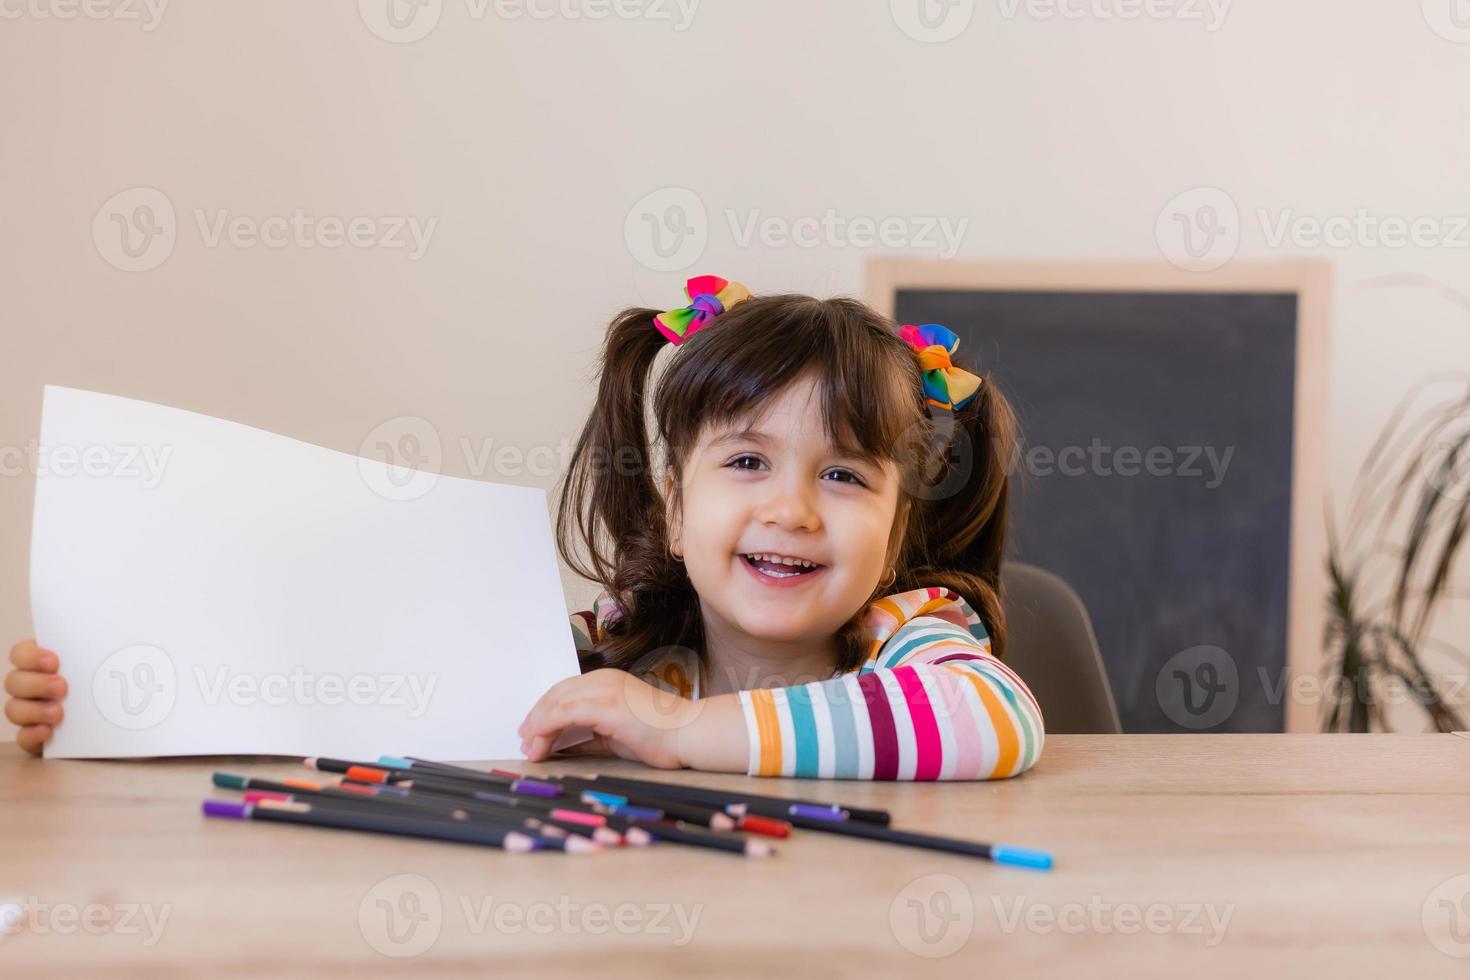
(735, 464)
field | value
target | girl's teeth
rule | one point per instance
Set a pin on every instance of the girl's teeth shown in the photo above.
(798, 566)
(794, 562)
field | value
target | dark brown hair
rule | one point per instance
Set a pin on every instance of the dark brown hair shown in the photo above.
(951, 521)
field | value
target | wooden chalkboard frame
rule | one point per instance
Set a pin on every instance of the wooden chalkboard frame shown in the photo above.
(1311, 282)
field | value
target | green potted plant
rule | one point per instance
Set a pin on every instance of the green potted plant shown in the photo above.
(1393, 564)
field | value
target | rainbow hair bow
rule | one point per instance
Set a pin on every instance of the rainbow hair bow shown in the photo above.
(709, 296)
(945, 386)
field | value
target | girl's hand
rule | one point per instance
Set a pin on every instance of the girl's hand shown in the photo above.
(635, 720)
(35, 690)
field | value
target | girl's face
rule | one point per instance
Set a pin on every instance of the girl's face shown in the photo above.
(779, 488)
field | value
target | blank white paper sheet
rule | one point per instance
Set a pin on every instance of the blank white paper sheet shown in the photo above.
(211, 588)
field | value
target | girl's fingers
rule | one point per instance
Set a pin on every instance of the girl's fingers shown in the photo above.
(35, 684)
(32, 737)
(26, 655)
(553, 719)
(556, 694)
(23, 712)
(540, 735)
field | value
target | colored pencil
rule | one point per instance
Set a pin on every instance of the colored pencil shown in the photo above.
(782, 812)
(1000, 853)
(514, 810)
(488, 804)
(546, 827)
(676, 832)
(435, 829)
(768, 806)
(704, 815)
(734, 802)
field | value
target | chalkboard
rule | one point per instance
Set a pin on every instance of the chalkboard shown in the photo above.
(1156, 473)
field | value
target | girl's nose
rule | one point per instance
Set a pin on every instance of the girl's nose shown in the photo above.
(790, 508)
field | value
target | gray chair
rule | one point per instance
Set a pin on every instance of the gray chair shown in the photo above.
(1050, 643)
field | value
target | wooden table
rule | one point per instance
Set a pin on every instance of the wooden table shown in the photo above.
(1177, 855)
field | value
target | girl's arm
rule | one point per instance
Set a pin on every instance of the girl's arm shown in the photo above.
(933, 704)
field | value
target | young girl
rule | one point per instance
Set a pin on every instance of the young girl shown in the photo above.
(795, 597)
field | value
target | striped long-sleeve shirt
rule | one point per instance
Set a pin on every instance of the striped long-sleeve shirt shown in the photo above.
(930, 701)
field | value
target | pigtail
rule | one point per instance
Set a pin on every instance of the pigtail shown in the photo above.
(960, 511)
(611, 507)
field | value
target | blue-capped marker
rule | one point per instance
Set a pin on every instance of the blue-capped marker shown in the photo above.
(393, 762)
(1021, 856)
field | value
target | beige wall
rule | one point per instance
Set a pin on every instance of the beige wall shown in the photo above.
(528, 141)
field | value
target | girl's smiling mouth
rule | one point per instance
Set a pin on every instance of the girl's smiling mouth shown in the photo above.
(772, 569)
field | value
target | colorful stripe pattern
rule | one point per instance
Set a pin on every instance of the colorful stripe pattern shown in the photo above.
(931, 702)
